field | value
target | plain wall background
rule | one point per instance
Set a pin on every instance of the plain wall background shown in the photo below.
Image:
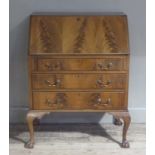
(19, 22)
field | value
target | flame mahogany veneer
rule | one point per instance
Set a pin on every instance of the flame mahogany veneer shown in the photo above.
(78, 64)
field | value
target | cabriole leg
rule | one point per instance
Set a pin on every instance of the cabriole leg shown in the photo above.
(31, 116)
(125, 116)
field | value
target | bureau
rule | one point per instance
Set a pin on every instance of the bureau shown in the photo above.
(78, 64)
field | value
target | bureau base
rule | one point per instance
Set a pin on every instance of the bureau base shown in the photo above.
(32, 115)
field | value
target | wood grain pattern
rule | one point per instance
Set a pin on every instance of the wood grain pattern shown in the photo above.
(77, 81)
(78, 64)
(78, 34)
(77, 101)
(46, 35)
(75, 64)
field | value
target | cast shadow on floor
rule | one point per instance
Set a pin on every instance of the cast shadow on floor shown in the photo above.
(94, 129)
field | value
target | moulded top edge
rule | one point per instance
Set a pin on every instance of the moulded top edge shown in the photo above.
(83, 54)
(78, 14)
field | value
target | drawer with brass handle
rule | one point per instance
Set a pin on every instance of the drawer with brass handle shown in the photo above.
(53, 66)
(55, 83)
(97, 100)
(78, 100)
(81, 64)
(104, 66)
(59, 101)
(79, 81)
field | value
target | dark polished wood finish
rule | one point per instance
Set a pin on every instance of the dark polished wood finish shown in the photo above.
(78, 64)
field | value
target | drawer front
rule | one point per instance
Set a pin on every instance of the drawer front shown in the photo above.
(72, 64)
(78, 81)
(78, 100)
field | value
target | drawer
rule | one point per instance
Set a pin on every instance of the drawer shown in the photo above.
(78, 100)
(79, 81)
(81, 64)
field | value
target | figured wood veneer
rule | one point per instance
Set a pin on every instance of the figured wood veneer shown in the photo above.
(78, 64)
(78, 81)
(75, 64)
(78, 34)
(78, 100)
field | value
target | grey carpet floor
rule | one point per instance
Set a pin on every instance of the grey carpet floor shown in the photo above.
(77, 139)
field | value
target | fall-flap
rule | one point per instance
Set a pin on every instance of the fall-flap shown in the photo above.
(78, 34)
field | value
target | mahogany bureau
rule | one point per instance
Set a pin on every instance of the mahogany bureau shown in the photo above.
(79, 64)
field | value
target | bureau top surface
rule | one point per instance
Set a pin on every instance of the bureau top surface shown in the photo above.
(78, 34)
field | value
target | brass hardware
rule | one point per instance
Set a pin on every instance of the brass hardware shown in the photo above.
(102, 66)
(55, 84)
(97, 100)
(110, 64)
(48, 82)
(54, 66)
(108, 101)
(103, 102)
(59, 100)
(103, 84)
(49, 66)
(49, 102)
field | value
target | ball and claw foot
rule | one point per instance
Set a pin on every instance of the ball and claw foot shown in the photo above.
(125, 144)
(29, 145)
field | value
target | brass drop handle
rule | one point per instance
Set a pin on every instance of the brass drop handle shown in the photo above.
(99, 101)
(103, 67)
(49, 102)
(49, 66)
(59, 99)
(56, 83)
(108, 101)
(53, 66)
(103, 84)
(48, 83)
